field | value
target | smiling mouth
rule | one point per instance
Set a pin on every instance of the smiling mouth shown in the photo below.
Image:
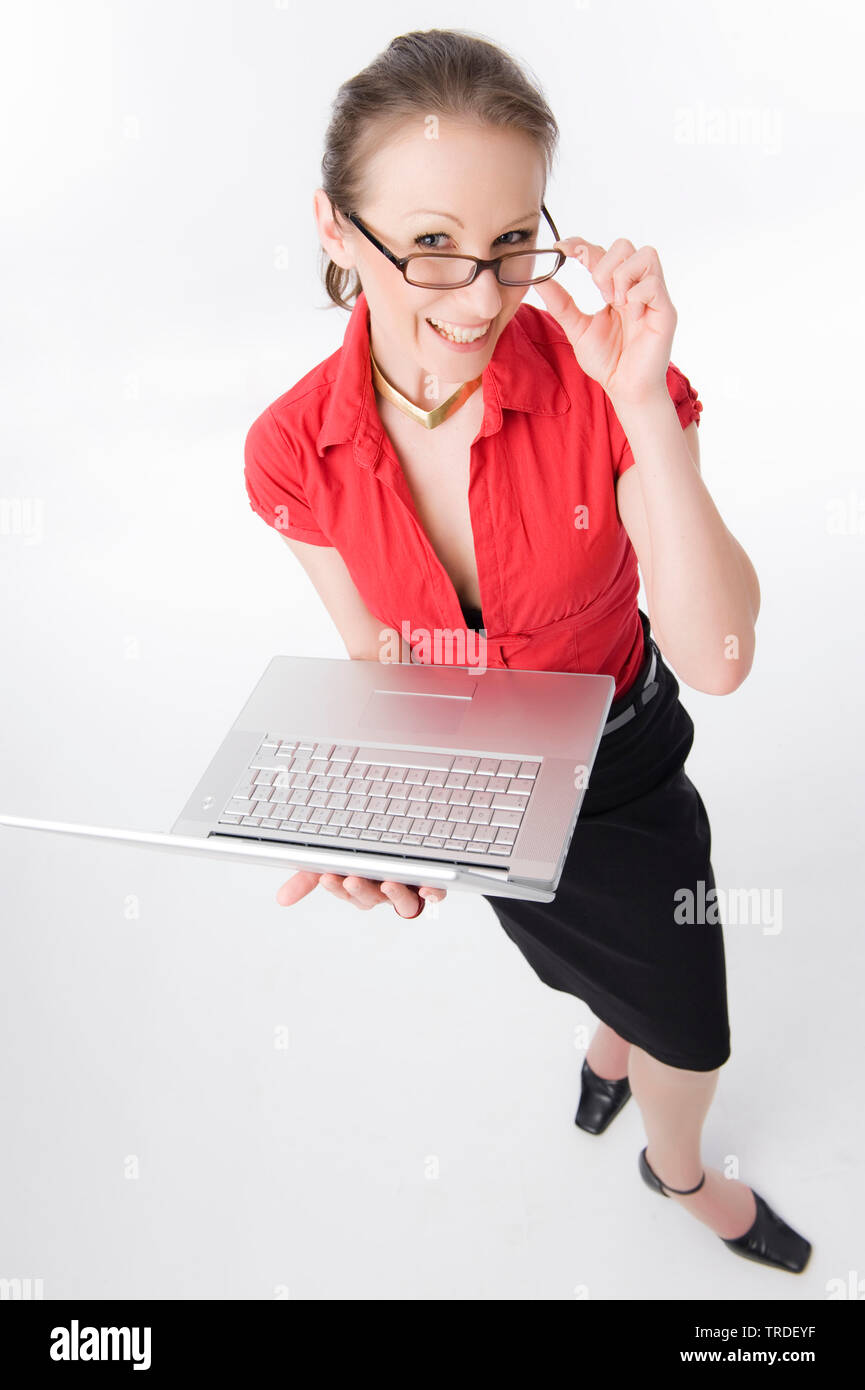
(459, 333)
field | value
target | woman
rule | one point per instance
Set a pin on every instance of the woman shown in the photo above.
(465, 458)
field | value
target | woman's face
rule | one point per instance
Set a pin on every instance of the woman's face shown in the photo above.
(473, 189)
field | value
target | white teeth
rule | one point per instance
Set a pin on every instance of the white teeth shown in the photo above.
(457, 335)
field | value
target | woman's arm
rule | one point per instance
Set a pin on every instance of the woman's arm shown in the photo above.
(359, 629)
(702, 591)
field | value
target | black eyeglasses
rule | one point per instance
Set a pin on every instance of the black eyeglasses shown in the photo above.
(447, 270)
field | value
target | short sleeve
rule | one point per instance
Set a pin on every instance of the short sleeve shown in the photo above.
(688, 408)
(272, 477)
(684, 397)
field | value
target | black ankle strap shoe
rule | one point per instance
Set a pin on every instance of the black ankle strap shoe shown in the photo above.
(769, 1241)
(600, 1100)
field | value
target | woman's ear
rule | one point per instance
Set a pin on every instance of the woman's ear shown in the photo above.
(330, 233)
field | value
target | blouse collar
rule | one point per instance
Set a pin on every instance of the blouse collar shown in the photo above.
(517, 377)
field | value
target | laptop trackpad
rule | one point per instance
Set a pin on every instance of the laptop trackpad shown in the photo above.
(404, 712)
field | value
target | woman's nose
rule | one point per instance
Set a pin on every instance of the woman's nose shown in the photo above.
(481, 299)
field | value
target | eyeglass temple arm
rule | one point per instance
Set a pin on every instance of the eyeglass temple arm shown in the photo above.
(399, 261)
(555, 229)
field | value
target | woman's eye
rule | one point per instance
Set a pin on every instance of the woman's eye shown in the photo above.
(521, 235)
(427, 238)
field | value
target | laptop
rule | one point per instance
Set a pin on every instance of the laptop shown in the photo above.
(419, 773)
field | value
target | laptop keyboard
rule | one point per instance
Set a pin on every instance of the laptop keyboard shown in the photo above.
(363, 794)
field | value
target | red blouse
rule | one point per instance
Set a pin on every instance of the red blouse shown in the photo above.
(558, 574)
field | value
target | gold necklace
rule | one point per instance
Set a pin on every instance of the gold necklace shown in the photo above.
(428, 418)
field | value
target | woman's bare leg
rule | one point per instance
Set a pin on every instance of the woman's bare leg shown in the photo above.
(674, 1104)
(608, 1054)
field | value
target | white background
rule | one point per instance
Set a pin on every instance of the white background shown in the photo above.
(159, 166)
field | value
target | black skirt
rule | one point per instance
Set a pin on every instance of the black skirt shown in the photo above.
(611, 936)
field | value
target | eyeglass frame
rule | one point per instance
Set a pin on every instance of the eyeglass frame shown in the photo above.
(480, 264)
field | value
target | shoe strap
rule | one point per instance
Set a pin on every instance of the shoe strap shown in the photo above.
(684, 1191)
(680, 1191)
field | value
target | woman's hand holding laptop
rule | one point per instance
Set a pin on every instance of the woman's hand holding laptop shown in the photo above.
(363, 892)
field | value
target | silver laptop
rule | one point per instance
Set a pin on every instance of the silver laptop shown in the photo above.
(423, 774)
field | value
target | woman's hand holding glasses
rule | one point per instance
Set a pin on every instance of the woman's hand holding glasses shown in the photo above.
(625, 346)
